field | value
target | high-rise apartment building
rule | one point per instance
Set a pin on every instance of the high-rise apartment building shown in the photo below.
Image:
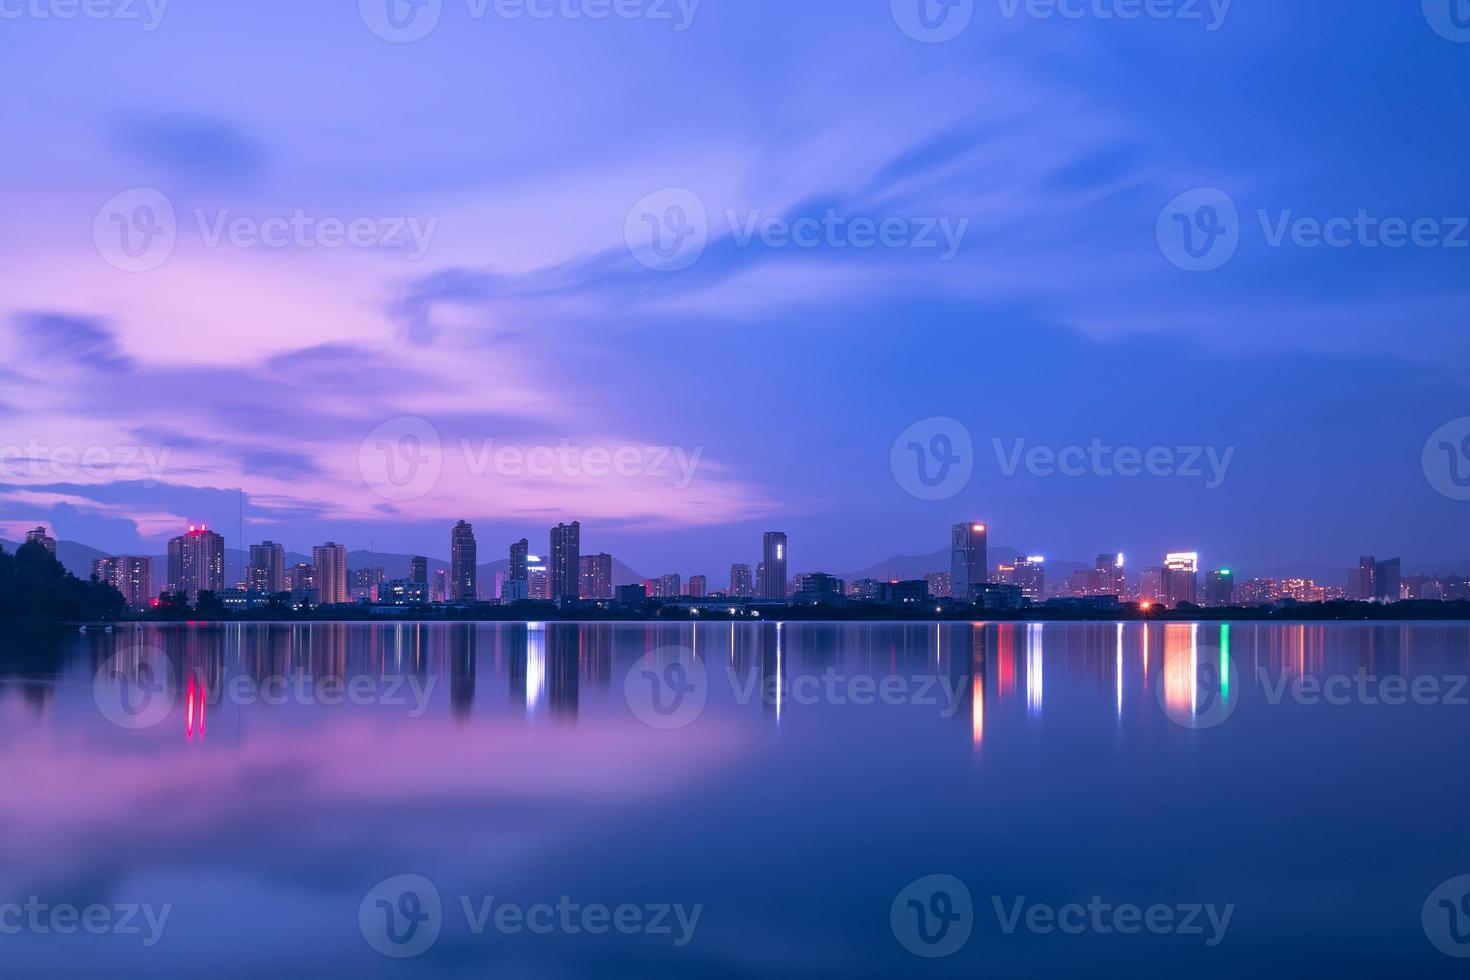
(463, 568)
(330, 562)
(596, 576)
(742, 586)
(538, 579)
(1181, 578)
(1220, 588)
(968, 559)
(1108, 576)
(774, 557)
(566, 561)
(418, 570)
(670, 587)
(698, 586)
(267, 571)
(1030, 575)
(132, 575)
(196, 562)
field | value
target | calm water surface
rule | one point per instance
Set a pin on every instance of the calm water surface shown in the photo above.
(735, 801)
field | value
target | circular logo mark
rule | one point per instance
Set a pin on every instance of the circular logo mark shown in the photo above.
(401, 917)
(933, 917)
(402, 459)
(933, 21)
(1194, 687)
(1446, 917)
(401, 21)
(933, 459)
(668, 230)
(135, 688)
(1446, 459)
(667, 689)
(1199, 231)
(136, 231)
(1449, 18)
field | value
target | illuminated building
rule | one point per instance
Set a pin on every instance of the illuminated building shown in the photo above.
(1220, 588)
(774, 555)
(362, 583)
(267, 572)
(819, 588)
(939, 585)
(670, 587)
(330, 560)
(566, 561)
(698, 586)
(1181, 578)
(196, 562)
(440, 591)
(596, 577)
(463, 558)
(1360, 584)
(1108, 577)
(1151, 585)
(741, 584)
(40, 537)
(538, 579)
(518, 553)
(968, 560)
(1030, 576)
(132, 575)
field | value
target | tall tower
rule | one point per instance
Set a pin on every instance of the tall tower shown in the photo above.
(330, 561)
(773, 551)
(740, 582)
(462, 563)
(968, 559)
(566, 561)
(267, 573)
(196, 562)
(518, 554)
(418, 570)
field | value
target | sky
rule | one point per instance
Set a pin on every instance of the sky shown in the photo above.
(1109, 276)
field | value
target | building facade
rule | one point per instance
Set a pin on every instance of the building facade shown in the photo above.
(566, 561)
(330, 562)
(267, 571)
(968, 559)
(774, 557)
(596, 576)
(196, 562)
(463, 564)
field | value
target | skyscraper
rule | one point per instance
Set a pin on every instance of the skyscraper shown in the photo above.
(1220, 588)
(1181, 578)
(596, 574)
(1108, 577)
(538, 579)
(698, 586)
(566, 561)
(440, 590)
(418, 570)
(1030, 575)
(40, 537)
(196, 562)
(132, 575)
(463, 571)
(670, 587)
(1388, 580)
(518, 553)
(1362, 581)
(267, 572)
(773, 553)
(741, 585)
(330, 562)
(969, 566)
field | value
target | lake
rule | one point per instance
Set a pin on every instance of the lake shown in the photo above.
(736, 800)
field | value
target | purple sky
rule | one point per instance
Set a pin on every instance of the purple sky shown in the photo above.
(496, 175)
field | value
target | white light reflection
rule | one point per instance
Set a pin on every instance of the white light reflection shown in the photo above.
(1034, 656)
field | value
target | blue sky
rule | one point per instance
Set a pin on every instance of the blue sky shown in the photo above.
(525, 152)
